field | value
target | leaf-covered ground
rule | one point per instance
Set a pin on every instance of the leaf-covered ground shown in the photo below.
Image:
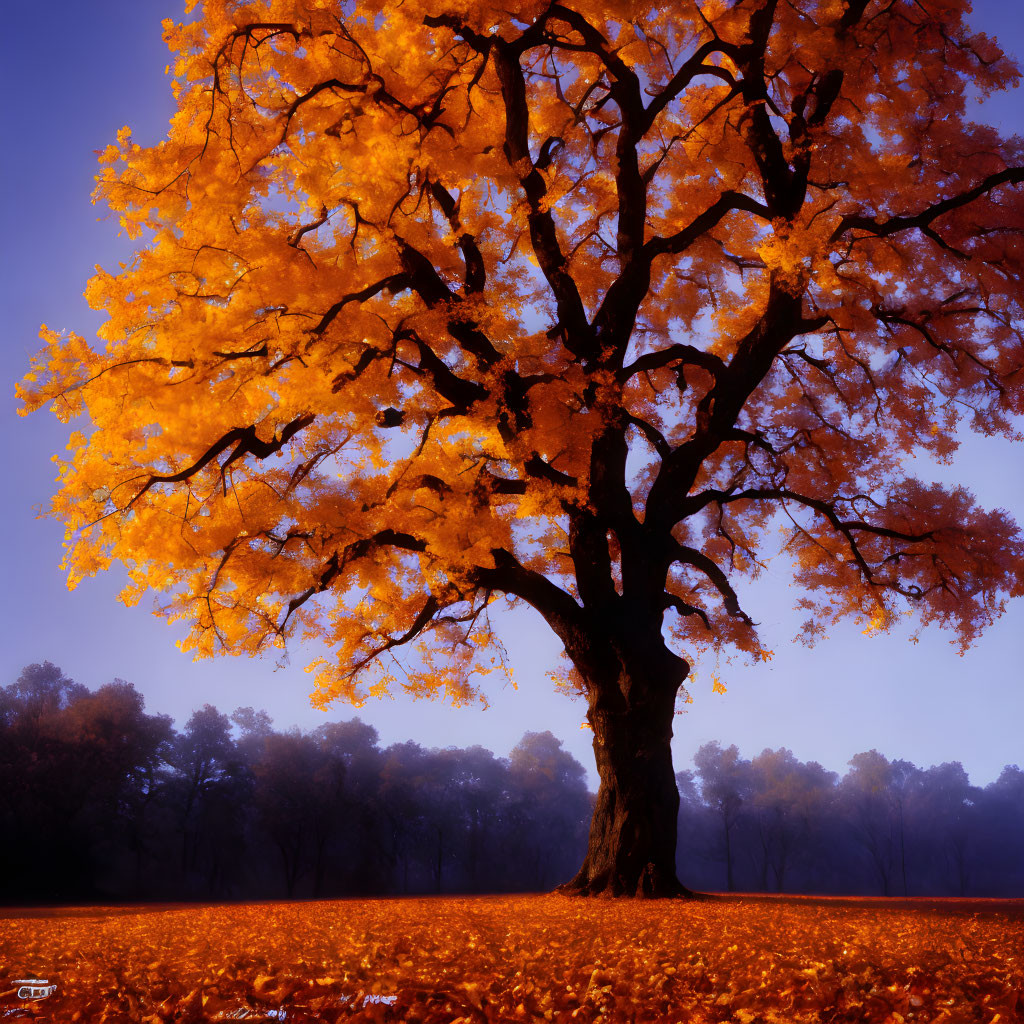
(528, 958)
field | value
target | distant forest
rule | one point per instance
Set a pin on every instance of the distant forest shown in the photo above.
(100, 801)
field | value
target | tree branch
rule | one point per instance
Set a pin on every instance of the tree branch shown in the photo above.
(704, 222)
(922, 220)
(557, 607)
(246, 442)
(680, 353)
(691, 556)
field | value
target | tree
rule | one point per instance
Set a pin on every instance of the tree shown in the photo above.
(874, 791)
(351, 765)
(401, 804)
(43, 789)
(474, 797)
(78, 773)
(786, 797)
(549, 808)
(297, 795)
(697, 832)
(949, 804)
(1002, 833)
(208, 791)
(568, 303)
(117, 756)
(724, 785)
(40, 692)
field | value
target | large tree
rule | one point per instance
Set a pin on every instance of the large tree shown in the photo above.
(573, 304)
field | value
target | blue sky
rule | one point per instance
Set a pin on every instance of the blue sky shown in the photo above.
(72, 73)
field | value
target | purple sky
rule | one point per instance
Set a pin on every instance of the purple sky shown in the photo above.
(74, 72)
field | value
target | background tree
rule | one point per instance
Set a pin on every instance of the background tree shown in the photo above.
(787, 799)
(547, 788)
(1001, 834)
(115, 753)
(284, 801)
(480, 795)
(399, 805)
(948, 801)
(38, 692)
(40, 794)
(698, 840)
(352, 841)
(79, 772)
(91, 801)
(725, 785)
(570, 303)
(875, 812)
(207, 793)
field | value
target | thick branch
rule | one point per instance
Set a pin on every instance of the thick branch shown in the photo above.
(693, 67)
(543, 233)
(392, 283)
(685, 354)
(427, 283)
(922, 220)
(712, 570)
(557, 607)
(476, 274)
(704, 222)
(845, 527)
(676, 602)
(626, 92)
(720, 407)
(827, 509)
(449, 385)
(422, 620)
(246, 442)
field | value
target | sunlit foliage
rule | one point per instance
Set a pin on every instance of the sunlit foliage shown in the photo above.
(412, 279)
(533, 959)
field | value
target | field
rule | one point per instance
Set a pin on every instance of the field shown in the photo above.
(525, 958)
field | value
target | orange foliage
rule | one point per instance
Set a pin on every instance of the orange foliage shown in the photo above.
(413, 279)
(529, 959)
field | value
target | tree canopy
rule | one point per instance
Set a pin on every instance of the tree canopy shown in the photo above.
(578, 304)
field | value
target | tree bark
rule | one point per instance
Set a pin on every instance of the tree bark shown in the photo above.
(632, 845)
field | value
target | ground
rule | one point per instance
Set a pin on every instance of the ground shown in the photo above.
(523, 958)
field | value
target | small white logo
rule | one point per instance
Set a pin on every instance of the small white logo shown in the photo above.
(34, 988)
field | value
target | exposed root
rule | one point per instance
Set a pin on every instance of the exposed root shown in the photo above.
(652, 884)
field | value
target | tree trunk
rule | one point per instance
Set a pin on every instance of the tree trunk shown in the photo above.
(903, 851)
(730, 883)
(765, 856)
(440, 856)
(632, 846)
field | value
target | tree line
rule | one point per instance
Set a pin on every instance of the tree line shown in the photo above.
(100, 800)
(776, 824)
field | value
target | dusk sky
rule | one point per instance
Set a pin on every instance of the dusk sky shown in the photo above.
(72, 74)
